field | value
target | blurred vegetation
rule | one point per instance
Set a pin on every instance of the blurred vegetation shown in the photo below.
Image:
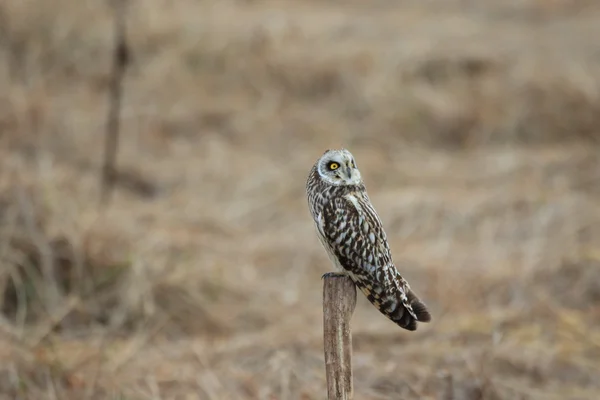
(476, 126)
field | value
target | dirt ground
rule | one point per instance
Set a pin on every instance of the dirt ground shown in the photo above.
(476, 126)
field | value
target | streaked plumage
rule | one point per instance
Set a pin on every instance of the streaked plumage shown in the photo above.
(353, 236)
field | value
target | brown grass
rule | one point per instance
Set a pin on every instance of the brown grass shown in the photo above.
(476, 126)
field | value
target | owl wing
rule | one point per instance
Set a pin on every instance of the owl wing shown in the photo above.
(356, 238)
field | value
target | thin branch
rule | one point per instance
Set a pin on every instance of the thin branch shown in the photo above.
(115, 96)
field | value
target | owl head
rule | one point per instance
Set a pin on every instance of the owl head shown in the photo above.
(337, 167)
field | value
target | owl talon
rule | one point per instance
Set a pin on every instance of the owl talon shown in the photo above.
(332, 275)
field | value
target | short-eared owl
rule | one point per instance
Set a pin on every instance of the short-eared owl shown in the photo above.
(353, 236)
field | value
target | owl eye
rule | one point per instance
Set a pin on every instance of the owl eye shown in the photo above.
(333, 165)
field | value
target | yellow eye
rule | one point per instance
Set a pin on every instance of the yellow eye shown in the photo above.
(333, 166)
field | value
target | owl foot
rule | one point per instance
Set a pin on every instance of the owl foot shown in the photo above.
(333, 275)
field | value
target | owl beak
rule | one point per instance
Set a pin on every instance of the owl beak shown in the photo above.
(349, 172)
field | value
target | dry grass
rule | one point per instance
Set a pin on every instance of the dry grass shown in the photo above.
(475, 124)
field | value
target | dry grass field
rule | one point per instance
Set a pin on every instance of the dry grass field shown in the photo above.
(476, 125)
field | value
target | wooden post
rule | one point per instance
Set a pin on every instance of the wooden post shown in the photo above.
(339, 301)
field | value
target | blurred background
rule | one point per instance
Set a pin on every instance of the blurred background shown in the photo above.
(476, 125)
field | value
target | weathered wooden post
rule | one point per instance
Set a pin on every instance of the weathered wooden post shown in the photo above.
(339, 301)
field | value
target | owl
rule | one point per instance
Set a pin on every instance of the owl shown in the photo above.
(353, 236)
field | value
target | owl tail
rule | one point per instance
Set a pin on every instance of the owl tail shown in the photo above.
(396, 308)
(418, 307)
